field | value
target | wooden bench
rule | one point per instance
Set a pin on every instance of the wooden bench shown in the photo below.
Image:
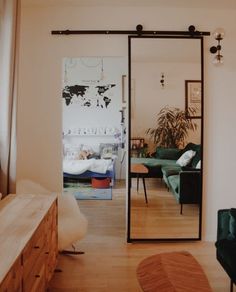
(172, 272)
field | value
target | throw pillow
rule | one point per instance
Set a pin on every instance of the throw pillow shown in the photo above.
(186, 158)
(198, 166)
(194, 147)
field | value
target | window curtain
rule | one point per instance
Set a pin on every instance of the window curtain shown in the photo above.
(9, 52)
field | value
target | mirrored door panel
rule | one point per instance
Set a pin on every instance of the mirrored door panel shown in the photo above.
(165, 138)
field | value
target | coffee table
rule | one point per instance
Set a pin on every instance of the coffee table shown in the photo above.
(140, 170)
(172, 272)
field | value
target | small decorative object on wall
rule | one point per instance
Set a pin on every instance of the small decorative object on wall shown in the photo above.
(193, 99)
(162, 81)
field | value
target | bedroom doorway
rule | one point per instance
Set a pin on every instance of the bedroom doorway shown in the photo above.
(94, 95)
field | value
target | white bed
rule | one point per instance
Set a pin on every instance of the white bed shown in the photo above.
(77, 166)
(100, 161)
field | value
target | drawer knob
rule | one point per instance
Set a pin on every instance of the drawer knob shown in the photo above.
(47, 252)
(37, 276)
(36, 246)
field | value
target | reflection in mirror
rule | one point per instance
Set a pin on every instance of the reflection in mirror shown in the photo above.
(93, 103)
(165, 138)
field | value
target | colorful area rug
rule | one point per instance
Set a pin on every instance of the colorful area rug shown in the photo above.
(84, 191)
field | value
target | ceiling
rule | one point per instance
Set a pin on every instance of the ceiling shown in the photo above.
(164, 3)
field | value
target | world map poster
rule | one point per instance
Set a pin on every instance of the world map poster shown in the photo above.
(88, 95)
(95, 90)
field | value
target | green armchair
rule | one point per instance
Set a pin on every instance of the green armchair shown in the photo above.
(226, 243)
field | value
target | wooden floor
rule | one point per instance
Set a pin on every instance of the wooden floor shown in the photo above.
(109, 263)
(161, 217)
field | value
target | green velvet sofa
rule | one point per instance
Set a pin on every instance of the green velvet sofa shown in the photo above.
(183, 182)
(226, 242)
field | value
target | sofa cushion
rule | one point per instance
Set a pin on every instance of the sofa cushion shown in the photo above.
(174, 182)
(226, 254)
(186, 158)
(167, 153)
(153, 162)
(232, 224)
(190, 168)
(197, 156)
(190, 146)
(154, 165)
(170, 170)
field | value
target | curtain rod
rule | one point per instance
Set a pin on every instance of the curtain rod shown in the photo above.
(139, 31)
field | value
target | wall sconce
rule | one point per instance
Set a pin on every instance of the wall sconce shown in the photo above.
(219, 34)
(162, 81)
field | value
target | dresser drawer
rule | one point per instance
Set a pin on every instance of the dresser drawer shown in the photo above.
(51, 256)
(34, 249)
(39, 285)
(28, 233)
(13, 280)
(51, 243)
(36, 276)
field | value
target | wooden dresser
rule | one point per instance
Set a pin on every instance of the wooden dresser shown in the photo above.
(28, 242)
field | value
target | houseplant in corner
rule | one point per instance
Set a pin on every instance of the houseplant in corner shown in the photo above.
(172, 127)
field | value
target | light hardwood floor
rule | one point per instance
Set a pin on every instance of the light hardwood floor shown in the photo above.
(161, 217)
(109, 263)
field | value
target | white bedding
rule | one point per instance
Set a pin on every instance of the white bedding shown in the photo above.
(80, 166)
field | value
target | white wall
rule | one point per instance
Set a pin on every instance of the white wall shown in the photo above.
(39, 105)
(149, 98)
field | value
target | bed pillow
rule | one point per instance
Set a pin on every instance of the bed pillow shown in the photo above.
(107, 150)
(72, 151)
(186, 158)
(93, 149)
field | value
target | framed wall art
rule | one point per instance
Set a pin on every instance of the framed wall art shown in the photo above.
(193, 98)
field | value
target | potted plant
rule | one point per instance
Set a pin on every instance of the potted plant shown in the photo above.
(172, 127)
